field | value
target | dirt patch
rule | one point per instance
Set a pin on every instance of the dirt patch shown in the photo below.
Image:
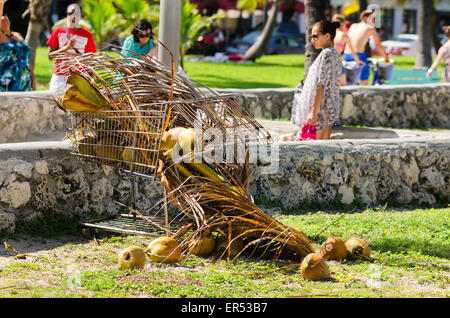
(139, 278)
(29, 245)
(183, 281)
(134, 278)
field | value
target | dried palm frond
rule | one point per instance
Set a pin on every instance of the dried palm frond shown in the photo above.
(219, 208)
(143, 102)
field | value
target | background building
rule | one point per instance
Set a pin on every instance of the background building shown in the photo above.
(395, 20)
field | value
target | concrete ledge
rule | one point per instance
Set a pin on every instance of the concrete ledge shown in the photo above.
(44, 176)
(24, 114)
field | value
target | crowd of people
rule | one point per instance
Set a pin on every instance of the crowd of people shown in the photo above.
(316, 101)
(65, 42)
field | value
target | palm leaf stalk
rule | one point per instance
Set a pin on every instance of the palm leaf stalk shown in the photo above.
(133, 97)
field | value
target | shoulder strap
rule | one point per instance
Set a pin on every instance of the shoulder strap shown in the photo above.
(68, 36)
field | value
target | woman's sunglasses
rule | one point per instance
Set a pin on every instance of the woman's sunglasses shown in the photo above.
(144, 35)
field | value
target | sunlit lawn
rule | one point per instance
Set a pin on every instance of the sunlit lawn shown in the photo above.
(270, 71)
(409, 250)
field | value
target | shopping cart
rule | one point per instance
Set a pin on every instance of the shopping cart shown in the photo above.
(128, 140)
(382, 70)
(352, 72)
(136, 101)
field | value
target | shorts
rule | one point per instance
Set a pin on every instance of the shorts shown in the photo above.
(365, 73)
(58, 83)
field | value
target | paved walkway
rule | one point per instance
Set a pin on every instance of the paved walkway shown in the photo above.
(286, 131)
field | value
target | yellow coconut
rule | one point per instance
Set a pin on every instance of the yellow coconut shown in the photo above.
(127, 155)
(314, 267)
(132, 257)
(164, 250)
(131, 156)
(170, 138)
(235, 247)
(357, 248)
(333, 249)
(205, 247)
(86, 146)
(107, 151)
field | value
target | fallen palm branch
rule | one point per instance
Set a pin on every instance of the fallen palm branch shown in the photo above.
(140, 116)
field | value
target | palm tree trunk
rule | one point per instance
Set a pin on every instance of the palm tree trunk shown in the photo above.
(362, 5)
(423, 59)
(38, 11)
(315, 10)
(259, 48)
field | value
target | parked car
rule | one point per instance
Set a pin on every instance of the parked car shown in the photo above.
(290, 28)
(442, 38)
(403, 44)
(279, 43)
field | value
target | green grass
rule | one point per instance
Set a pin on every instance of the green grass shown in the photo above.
(410, 251)
(270, 71)
(426, 231)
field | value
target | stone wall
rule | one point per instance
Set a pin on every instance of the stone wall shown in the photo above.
(43, 176)
(396, 106)
(372, 171)
(24, 114)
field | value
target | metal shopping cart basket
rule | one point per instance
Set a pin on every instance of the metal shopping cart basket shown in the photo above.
(352, 72)
(382, 70)
(128, 140)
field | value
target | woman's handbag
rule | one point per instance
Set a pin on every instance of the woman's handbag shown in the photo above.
(308, 132)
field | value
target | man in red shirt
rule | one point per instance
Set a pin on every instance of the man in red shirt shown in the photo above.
(71, 40)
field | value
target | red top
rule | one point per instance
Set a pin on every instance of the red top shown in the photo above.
(84, 43)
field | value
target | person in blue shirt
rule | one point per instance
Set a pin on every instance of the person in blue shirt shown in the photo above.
(140, 41)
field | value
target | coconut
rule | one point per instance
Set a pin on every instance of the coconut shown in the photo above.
(314, 267)
(357, 248)
(131, 156)
(107, 152)
(205, 247)
(235, 247)
(86, 146)
(131, 258)
(164, 250)
(333, 249)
